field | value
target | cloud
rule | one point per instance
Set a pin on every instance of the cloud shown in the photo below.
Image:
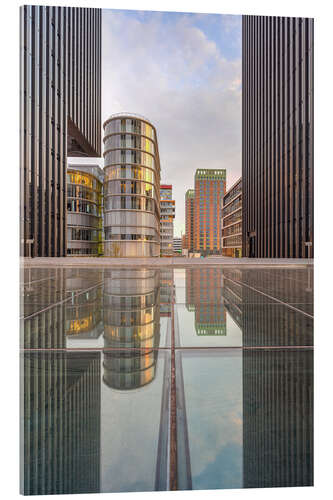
(176, 72)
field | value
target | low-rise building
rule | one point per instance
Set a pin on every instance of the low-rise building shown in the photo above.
(84, 210)
(232, 221)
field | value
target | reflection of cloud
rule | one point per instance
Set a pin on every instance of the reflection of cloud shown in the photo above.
(176, 70)
(213, 394)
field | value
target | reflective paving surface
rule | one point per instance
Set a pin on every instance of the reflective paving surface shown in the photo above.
(147, 379)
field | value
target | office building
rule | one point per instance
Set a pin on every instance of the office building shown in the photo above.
(167, 216)
(189, 219)
(60, 116)
(232, 221)
(84, 210)
(177, 245)
(131, 187)
(210, 186)
(277, 137)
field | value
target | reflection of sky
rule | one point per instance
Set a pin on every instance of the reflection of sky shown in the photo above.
(214, 407)
(129, 435)
(189, 338)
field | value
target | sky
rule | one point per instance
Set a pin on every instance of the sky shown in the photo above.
(183, 72)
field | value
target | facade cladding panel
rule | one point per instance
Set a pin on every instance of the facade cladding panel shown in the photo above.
(167, 216)
(277, 136)
(131, 187)
(60, 111)
(210, 187)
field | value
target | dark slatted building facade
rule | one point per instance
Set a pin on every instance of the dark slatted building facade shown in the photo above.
(277, 137)
(60, 106)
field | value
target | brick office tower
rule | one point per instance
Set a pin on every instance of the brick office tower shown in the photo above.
(210, 187)
(189, 219)
(277, 137)
(60, 116)
(167, 216)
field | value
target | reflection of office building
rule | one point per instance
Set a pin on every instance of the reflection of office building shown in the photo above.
(189, 219)
(277, 119)
(232, 221)
(84, 210)
(204, 296)
(167, 216)
(131, 327)
(167, 291)
(277, 418)
(232, 293)
(131, 187)
(84, 315)
(61, 429)
(60, 108)
(209, 190)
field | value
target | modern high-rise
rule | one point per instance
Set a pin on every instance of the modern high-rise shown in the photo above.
(189, 219)
(167, 216)
(277, 136)
(84, 210)
(232, 221)
(60, 116)
(210, 187)
(131, 187)
(177, 245)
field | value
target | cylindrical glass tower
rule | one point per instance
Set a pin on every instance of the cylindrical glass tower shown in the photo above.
(131, 187)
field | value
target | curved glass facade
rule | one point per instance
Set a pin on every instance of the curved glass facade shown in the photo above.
(131, 188)
(131, 327)
(84, 213)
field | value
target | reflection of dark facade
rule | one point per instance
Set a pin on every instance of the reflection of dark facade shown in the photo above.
(61, 431)
(277, 418)
(277, 144)
(131, 327)
(204, 296)
(265, 322)
(60, 105)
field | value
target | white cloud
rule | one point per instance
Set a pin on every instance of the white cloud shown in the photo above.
(177, 77)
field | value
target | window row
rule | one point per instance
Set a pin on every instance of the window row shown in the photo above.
(137, 237)
(129, 156)
(74, 233)
(76, 191)
(232, 207)
(129, 141)
(130, 187)
(82, 251)
(83, 207)
(129, 203)
(129, 125)
(83, 179)
(236, 228)
(129, 172)
(232, 218)
(121, 218)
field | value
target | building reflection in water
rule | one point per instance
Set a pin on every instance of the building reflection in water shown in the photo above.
(204, 297)
(61, 423)
(131, 327)
(277, 384)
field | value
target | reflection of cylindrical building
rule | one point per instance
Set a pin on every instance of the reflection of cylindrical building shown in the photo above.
(131, 187)
(131, 327)
(84, 210)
